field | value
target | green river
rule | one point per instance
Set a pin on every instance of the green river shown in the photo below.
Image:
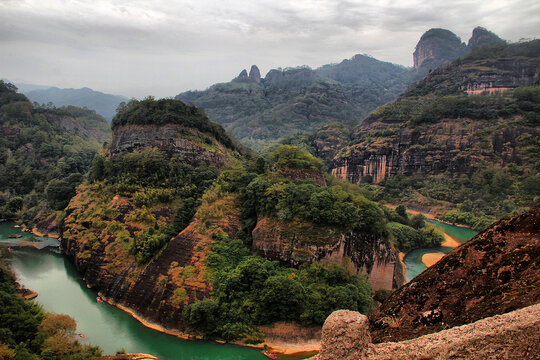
(62, 290)
(413, 259)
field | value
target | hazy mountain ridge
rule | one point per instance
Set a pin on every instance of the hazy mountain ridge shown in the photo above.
(103, 104)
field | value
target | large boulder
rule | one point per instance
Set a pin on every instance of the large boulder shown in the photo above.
(345, 335)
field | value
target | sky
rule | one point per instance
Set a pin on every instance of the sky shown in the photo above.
(163, 47)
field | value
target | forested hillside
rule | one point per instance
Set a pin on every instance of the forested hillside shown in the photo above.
(44, 153)
(180, 224)
(259, 111)
(463, 142)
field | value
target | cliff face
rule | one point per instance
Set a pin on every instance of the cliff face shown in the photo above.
(159, 290)
(496, 272)
(292, 244)
(437, 47)
(450, 146)
(188, 144)
(429, 131)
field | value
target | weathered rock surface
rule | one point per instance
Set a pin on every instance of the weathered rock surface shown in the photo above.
(255, 74)
(514, 335)
(292, 244)
(168, 138)
(495, 272)
(345, 336)
(437, 47)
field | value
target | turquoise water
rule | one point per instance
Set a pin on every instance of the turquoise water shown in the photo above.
(62, 290)
(413, 259)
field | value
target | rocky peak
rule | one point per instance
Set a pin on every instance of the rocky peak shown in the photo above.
(243, 74)
(437, 47)
(255, 74)
(481, 36)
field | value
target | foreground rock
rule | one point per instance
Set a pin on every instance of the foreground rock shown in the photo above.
(514, 335)
(345, 336)
(495, 272)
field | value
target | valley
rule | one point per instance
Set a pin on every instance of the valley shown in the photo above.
(253, 212)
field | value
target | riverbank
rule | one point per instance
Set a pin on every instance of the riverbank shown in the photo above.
(428, 215)
(290, 350)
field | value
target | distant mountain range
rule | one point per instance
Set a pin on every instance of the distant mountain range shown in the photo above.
(103, 104)
(262, 111)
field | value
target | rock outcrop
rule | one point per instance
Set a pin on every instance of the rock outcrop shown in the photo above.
(255, 74)
(170, 138)
(243, 74)
(292, 244)
(437, 47)
(345, 336)
(514, 335)
(495, 272)
(481, 36)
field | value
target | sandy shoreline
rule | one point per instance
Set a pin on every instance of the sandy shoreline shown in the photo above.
(430, 259)
(449, 241)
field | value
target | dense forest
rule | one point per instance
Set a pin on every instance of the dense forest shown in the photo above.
(44, 153)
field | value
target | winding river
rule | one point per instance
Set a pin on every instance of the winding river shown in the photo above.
(62, 290)
(413, 259)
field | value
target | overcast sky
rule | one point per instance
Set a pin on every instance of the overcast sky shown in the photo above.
(162, 47)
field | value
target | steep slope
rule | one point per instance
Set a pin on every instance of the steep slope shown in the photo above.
(466, 134)
(481, 36)
(130, 229)
(495, 272)
(261, 110)
(44, 153)
(103, 104)
(437, 47)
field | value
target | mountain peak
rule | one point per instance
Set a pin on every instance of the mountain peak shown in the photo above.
(255, 74)
(243, 74)
(481, 36)
(436, 47)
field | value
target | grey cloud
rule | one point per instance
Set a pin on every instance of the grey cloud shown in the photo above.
(162, 47)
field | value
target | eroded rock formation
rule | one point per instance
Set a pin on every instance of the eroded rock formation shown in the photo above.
(437, 47)
(293, 244)
(170, 138)
(514, 335)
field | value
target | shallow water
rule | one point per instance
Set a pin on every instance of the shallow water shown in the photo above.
(413, 259)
